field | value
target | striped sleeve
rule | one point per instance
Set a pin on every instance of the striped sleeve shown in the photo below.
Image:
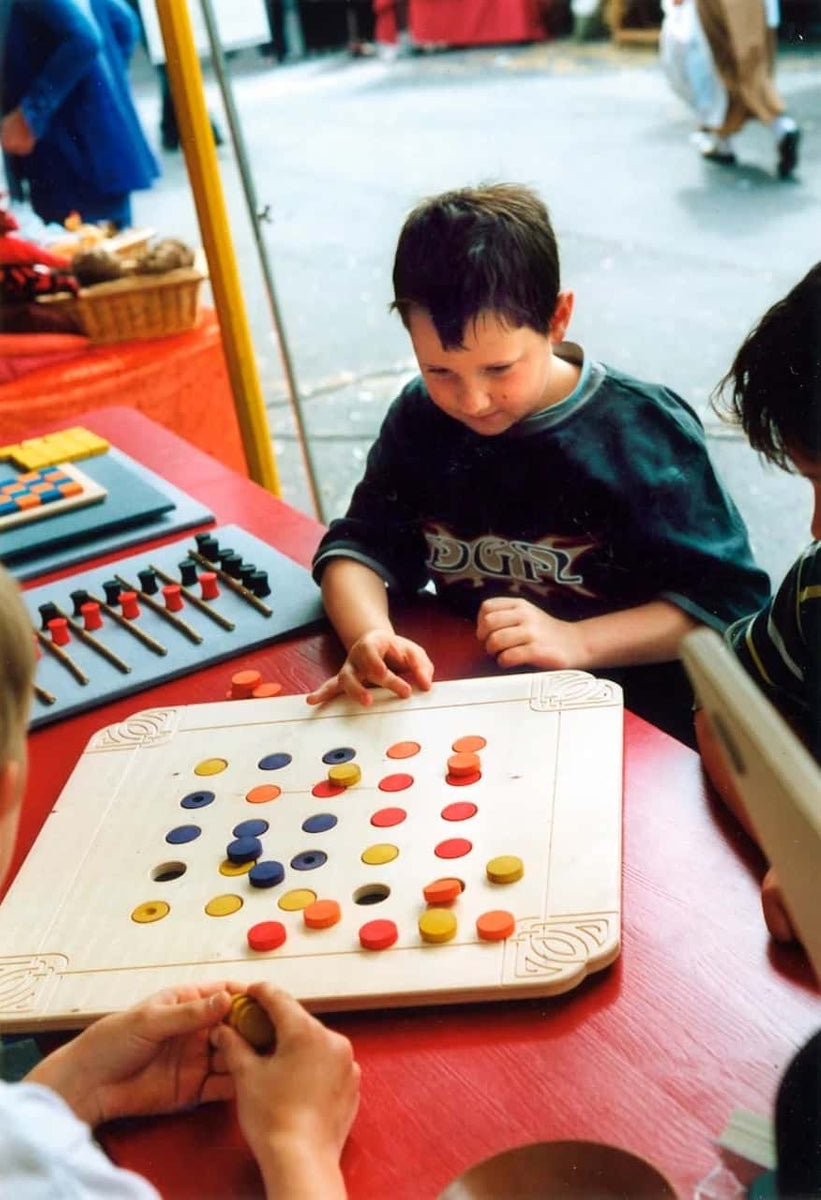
(780, 647)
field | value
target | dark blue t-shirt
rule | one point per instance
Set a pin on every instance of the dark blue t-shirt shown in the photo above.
(602, 502)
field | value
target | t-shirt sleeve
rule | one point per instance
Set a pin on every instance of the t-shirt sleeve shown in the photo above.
(381, 527)
(780, 647)
(45, 1151)
(686, 535)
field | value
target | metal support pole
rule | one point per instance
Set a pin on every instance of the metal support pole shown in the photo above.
(185, 80)
(257, 217)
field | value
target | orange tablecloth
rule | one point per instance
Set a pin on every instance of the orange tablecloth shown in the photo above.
(180, 382)
(475, 22)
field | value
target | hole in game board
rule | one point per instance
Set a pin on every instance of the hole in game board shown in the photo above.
(371, 893)
(168, 871)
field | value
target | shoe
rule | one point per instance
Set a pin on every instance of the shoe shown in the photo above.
(788, 153)
(713, 149)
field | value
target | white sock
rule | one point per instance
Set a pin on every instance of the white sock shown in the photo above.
(781, 125)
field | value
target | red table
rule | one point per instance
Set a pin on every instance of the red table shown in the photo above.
(699, 1015)
(474, 22)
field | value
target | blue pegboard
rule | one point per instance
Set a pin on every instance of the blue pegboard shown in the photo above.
(294, 603)
(140, 505)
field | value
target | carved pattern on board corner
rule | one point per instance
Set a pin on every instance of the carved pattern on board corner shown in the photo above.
(555, 690)
(143, 730)
(23, 980)
(542, 949)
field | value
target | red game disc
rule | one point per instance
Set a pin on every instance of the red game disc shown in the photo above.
(453, 848)
(267, 935)
(395, 783)
(378, 935)
(324, 790)
(385, 817)
(461, 811)
(463, 780)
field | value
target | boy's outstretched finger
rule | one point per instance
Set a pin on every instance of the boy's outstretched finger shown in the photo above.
(330, 688)
(420, 667)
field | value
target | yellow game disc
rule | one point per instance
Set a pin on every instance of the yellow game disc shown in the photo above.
(507, 868)
(252, 1022)
(437, 925)
(382, 852)
(298, 899)
(345, 774)
(231, 868)
(210, 766)
(223, 906)
(152, 910)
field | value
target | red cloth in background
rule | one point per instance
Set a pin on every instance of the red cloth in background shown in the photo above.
(24, 352)
(180, 381)
(386, 26)
(475, 22)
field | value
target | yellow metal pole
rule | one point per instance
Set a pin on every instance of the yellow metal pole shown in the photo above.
(185, 79)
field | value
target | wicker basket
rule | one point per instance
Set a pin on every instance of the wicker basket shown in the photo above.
(140, 306)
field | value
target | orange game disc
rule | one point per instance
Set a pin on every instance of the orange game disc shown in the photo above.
(263, 793)
(469, 745)
(265, 690)
(496, 925)
(403, 750)
(243, 684)
(443, 891)
(463, 764)
(322, 914)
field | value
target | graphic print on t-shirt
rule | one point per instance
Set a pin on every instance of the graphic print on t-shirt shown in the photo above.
(540, 567)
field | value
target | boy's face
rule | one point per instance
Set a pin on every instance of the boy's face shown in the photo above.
(810, 468)
(499, 375)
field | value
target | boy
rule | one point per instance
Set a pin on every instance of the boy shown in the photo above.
(571, 510)
(773, 390)
(295, 1106)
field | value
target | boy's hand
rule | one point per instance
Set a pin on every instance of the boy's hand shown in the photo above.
(367, 663)
(517, 633)
(15, 134)
(776, 915)
(295, 1106)
(153, 1058)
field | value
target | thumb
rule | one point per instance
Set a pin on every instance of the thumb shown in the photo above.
(233, 1048)
(175, 1020)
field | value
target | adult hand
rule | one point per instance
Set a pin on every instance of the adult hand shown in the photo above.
(15, 134)
(517, 633)
(295, 1106)
(776, 914)
(153, 1058)
(370, 661)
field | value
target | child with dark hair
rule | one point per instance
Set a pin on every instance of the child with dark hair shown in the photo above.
(773, 390)
(567, 508)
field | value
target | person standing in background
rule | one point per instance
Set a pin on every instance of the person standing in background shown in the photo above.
(742, 39)
(70, 131)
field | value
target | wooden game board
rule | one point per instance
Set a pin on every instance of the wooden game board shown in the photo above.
(294, 603)
(111, 904)
(45, 493)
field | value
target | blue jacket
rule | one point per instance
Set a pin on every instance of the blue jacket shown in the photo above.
(65, 64)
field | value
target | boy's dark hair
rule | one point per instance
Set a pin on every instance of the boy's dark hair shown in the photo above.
(773, 389)
(475, 249)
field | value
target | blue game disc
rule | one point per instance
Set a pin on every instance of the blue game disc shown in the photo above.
(319, 823)
(341, 754)
(266, 874)
(273, 762)
(244, 849)
(250, 829)
(183, 833)
(309, 860)
(196, 799)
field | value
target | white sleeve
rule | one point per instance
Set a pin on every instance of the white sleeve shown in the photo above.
(45, 1151)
